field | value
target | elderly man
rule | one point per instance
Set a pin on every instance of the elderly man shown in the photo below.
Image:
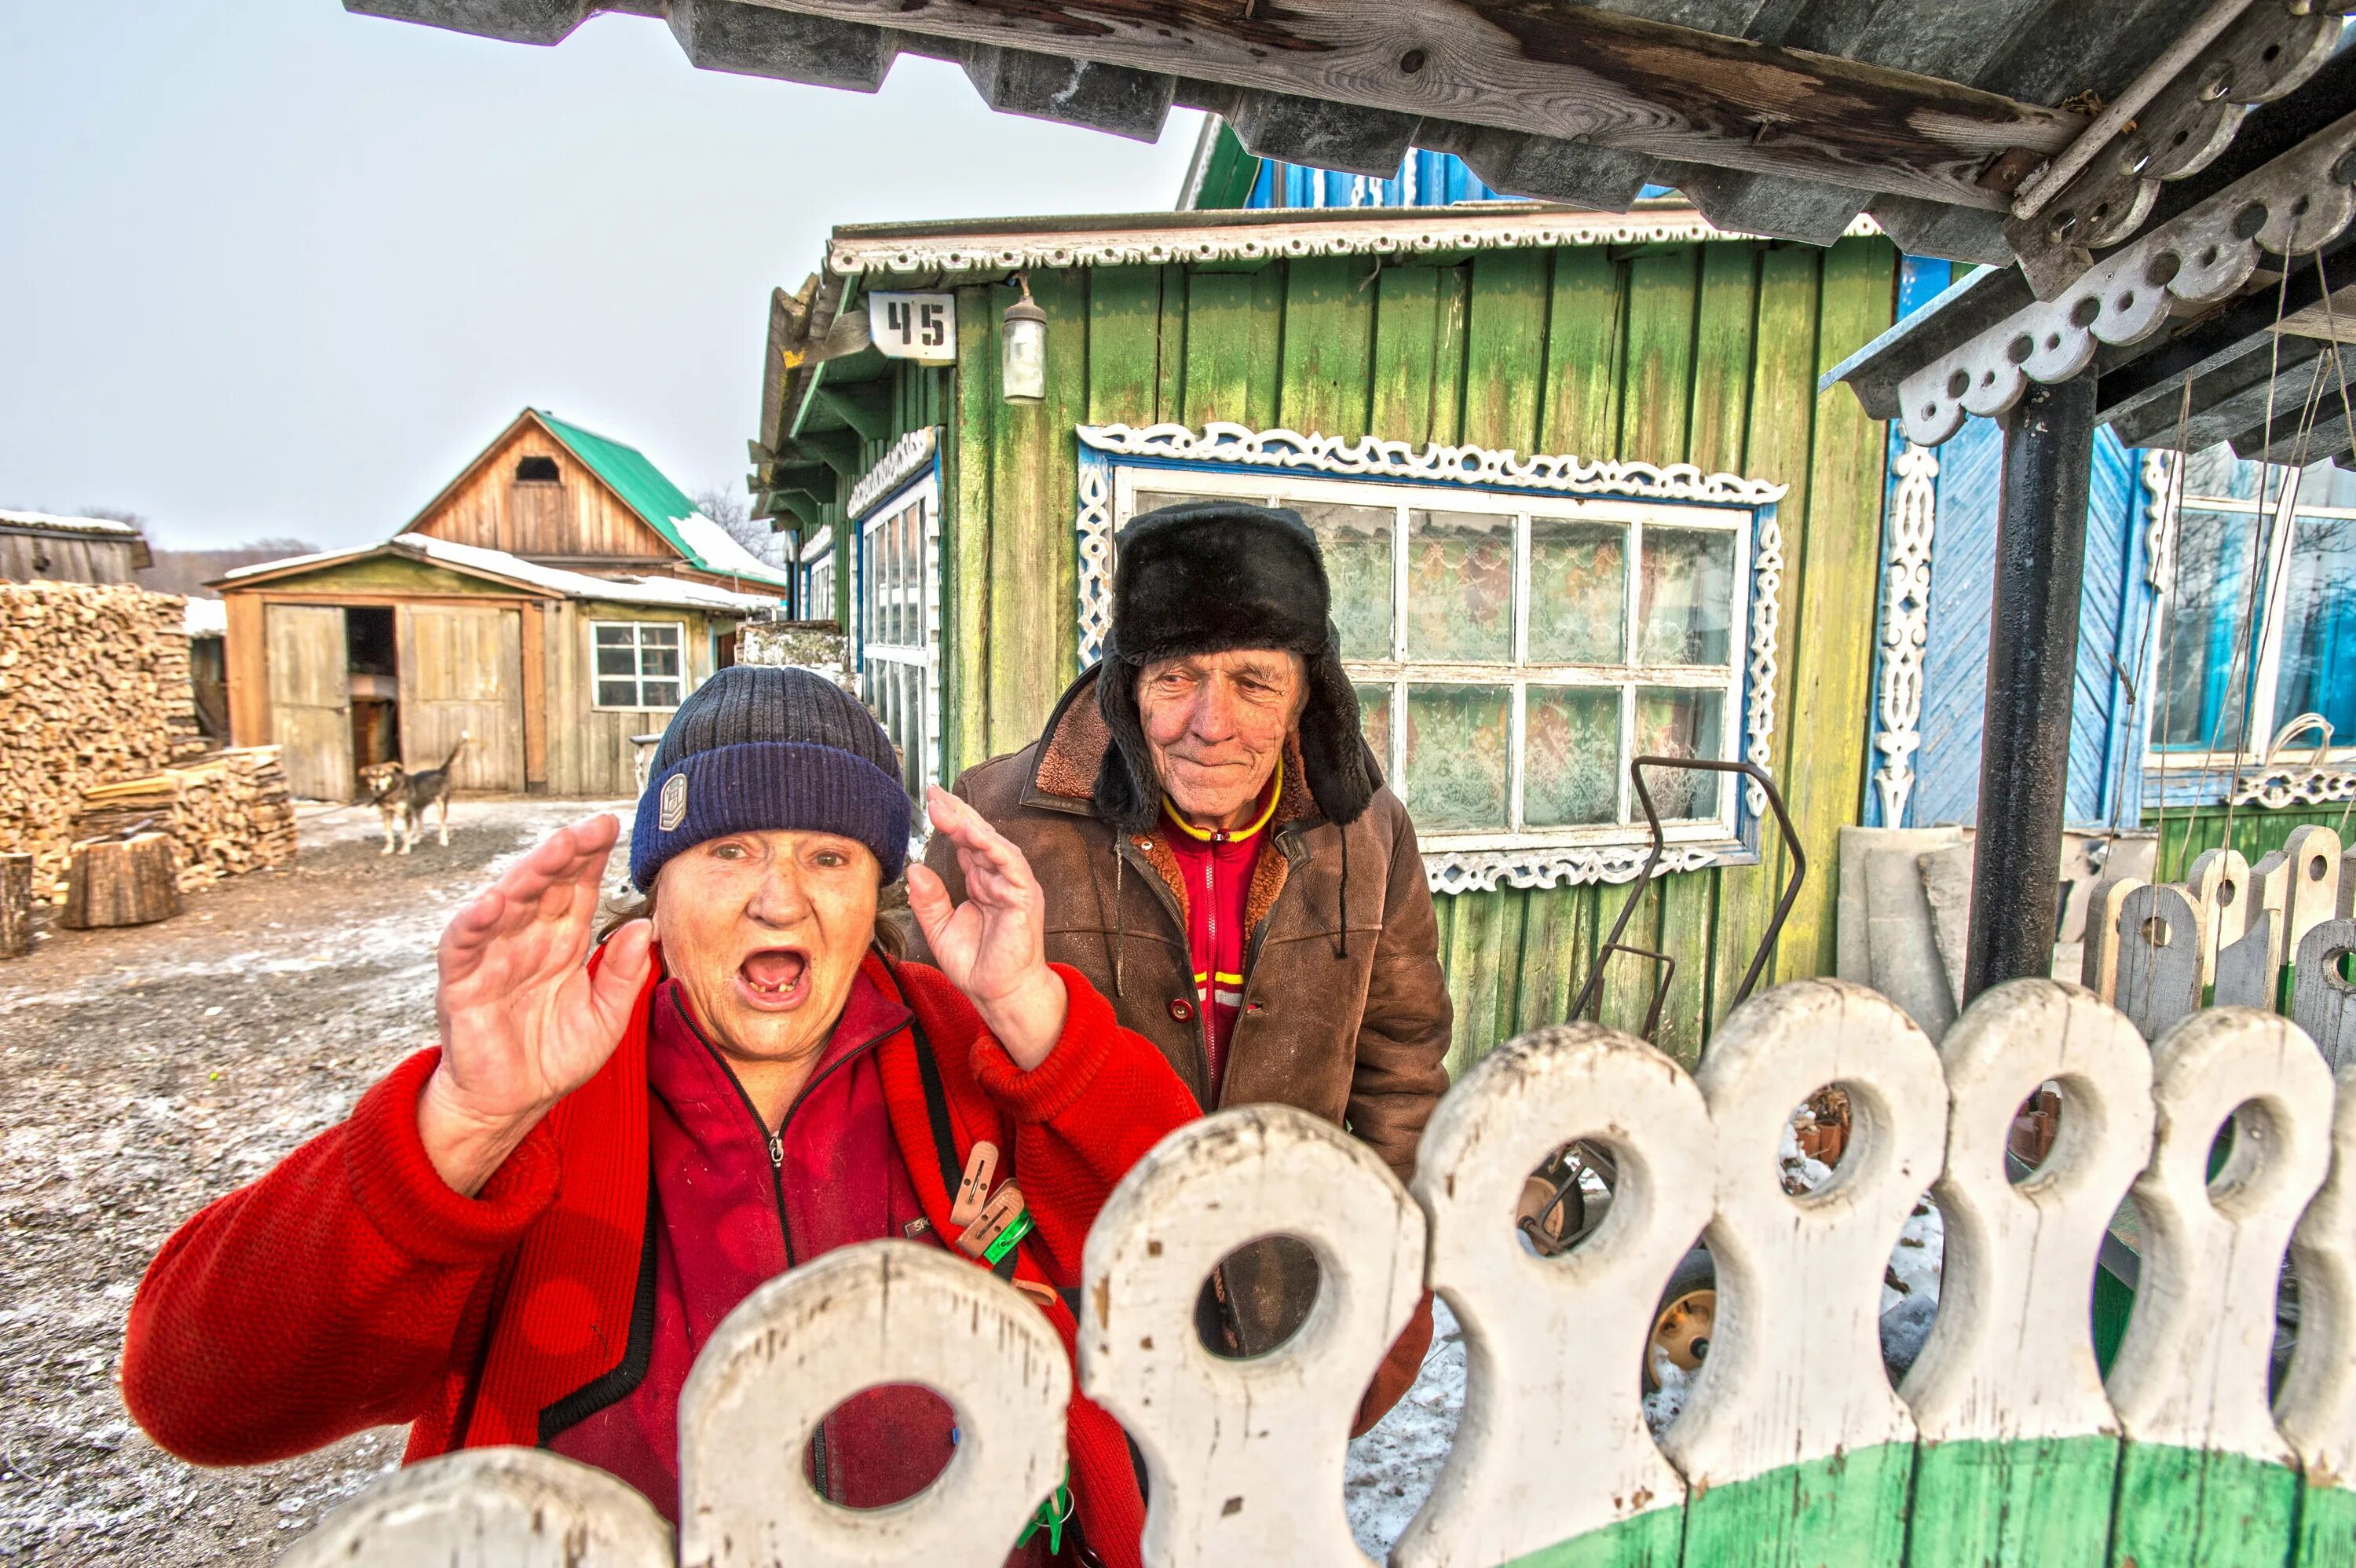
(1220, 857)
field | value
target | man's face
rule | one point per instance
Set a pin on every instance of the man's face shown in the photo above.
(1216, 724)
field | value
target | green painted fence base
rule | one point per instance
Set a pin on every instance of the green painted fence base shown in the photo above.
(2182, 1507)
(2327, 1528)
(2044, 1504)
(1648, 1540)
(1847, 1512)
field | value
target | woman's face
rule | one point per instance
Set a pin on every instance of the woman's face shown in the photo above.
(764, 931)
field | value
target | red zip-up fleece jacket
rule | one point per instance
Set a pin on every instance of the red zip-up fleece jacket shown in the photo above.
(351, 1287)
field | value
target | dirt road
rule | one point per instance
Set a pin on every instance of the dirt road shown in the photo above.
(143, 1072)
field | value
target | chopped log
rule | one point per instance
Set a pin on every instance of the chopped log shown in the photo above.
(121, 882)
(16, 905)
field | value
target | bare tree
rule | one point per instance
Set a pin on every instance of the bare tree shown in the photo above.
(728, 508)
(188, 570)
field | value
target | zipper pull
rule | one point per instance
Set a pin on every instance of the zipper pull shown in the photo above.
(777, 1150)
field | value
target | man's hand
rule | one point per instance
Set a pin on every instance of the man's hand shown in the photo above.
(523, 1021)
(993, 947)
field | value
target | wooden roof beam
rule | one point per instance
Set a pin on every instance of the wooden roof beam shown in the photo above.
(1534, 67)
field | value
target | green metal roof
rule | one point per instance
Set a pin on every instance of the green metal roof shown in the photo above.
(647, 491)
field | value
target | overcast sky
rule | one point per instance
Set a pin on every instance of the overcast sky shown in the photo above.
(270, 269)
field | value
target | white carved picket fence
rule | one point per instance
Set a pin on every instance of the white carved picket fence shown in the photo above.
(2270, 935)
(2004, 1445)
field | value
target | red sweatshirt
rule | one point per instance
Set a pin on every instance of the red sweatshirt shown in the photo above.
(1216, 867)
(350, 1288)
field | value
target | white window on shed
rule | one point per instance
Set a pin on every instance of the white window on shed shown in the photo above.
(640, 665)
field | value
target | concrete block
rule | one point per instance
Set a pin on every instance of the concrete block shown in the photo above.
(1852, 962)
(1902, 952)
(1946, 875)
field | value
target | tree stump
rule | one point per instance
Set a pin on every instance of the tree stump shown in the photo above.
(121, 882)
(16, 905)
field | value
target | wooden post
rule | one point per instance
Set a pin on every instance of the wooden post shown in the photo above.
(121, 882)
(16, 905)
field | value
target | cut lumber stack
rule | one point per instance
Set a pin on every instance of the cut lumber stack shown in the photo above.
(93, 689)
(229, 814)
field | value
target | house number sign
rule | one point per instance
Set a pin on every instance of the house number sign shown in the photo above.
(920, 326)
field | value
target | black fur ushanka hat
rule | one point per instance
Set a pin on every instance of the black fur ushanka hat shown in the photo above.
(1207, 576)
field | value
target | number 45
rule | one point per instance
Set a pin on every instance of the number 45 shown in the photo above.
(918, 321)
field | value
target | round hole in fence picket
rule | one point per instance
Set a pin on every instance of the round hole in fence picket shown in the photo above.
(1256, 1298)
(2239, 1155)
(2155, 931)
(2036, 1132)
(2318, 868)
(882, 1446)
(1816, 1139)
(2340, 965)
(1566, 1199)
(2226, 893)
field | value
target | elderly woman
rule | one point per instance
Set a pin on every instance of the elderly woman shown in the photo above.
(526, 1235)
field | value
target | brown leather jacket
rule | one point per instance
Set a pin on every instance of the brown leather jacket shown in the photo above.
(1346, 1013)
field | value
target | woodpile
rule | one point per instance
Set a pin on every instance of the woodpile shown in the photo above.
(93, 690)
(228, 812)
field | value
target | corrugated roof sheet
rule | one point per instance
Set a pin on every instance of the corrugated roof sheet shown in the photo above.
(666, 508)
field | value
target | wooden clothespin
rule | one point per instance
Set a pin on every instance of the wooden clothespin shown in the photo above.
(996, 1217)
(973, 1190)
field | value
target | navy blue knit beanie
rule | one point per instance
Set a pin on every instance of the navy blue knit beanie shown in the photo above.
(760, 747)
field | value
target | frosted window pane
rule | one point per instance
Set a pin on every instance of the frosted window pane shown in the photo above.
(1570, 768)
(1357, 545)
(1456, 743)
(1673, 723)
(2217, 472)
(1460, 591)
(1578, 575)
(1154, 500)
(1684, 597)
(2205, 666)
(1375, 722)
(2319, 655)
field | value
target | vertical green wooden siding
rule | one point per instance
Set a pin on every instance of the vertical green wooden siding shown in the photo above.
(2255, 831)
(1672, 353)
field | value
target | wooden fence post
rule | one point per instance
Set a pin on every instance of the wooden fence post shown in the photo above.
(1244, 1457)
(2318, 1404)
(2161, 933)
(880, 1312)
(1793, 1397)
(490, 1508)
(1552, 1444)
(2018, 1445)
(2202, 1479)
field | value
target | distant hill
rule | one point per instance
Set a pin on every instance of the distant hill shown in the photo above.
(187, 571)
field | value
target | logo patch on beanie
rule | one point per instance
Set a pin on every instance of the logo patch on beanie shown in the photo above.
(674, 803)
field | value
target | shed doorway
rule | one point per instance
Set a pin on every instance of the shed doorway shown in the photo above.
(372, 661)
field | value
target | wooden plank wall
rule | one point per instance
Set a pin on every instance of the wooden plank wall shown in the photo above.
(1701, 353)
(589, 751)
(585, 519)
(43, 557)
(2253, 830)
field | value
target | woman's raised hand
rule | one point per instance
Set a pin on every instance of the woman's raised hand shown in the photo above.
(993, 946)
(523, 1021)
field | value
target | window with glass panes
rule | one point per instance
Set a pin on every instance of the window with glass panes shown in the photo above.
(2258, 610)
(1512, 652)
(638, 662)
(899, 619)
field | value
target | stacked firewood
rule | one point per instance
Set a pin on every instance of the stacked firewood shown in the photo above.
(93, 689)
(228, 814)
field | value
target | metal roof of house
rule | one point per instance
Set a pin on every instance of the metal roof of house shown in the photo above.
(1781, 117)
(498, 565)
(649, 491)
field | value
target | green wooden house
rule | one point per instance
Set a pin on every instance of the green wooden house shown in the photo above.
(1578, 489)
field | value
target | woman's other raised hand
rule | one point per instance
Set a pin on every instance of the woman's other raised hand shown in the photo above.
(523, 1021)
(993, 946)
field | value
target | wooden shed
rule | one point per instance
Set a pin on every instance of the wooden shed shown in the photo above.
(1476, 406)
(35, 547)
(556, 598)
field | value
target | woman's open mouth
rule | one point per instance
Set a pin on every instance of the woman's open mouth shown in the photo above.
(775, 977)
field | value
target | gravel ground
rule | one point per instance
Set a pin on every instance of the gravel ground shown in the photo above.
(145, 1071)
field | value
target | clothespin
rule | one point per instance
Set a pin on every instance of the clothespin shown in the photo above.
(973, 1190)
(997, 1217)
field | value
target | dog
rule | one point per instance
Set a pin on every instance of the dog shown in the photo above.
(401, 797)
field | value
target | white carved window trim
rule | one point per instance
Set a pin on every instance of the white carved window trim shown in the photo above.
(899, 674)
(2293, 760)
(1231, 459)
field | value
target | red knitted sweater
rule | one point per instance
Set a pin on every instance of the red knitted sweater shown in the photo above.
(351, 1287)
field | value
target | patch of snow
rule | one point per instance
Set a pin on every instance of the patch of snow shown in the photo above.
(1391, 1469)
(205, 617)
(716, 550)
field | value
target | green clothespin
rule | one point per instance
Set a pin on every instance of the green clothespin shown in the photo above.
(1050, 1516)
